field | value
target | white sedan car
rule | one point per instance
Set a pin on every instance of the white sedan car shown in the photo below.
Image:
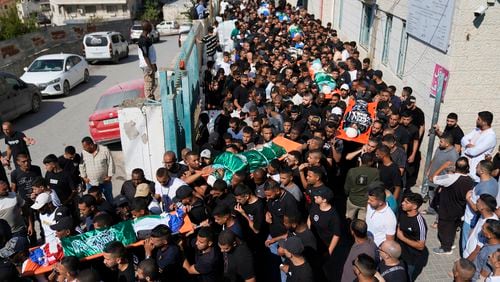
(56, 74)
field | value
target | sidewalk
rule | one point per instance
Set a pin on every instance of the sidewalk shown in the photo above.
(438, 266)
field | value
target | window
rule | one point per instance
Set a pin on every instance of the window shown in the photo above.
(402, 51)
(90, 9)
(70, 9)
(366, 25)
(96, 41)
(124, 8)
(387, 39)
(12, 83)
(115, 39)
(111, 9)
(76, 60)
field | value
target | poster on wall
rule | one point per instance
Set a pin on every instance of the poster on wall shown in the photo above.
(430, 21)
(439, 69)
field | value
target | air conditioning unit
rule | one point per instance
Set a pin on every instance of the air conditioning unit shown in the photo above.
(80, 11)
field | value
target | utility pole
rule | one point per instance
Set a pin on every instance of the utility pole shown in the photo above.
(432, 135)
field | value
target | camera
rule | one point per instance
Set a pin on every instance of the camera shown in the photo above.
(480, 11)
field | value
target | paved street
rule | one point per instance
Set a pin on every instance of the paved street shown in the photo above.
(63, 121)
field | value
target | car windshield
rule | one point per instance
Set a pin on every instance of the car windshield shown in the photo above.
(137, 27)
(47, 65)
(116, 99)
(96, 41)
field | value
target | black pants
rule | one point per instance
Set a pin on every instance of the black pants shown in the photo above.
(447, 229)
(412, 171)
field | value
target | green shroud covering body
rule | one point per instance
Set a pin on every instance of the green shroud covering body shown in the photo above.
(93, 242)
(249, 160)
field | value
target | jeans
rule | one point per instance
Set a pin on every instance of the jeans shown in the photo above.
(273, 248)
(106, 189)
(464, 236)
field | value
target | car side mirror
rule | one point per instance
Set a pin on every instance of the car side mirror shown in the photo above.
(25, 68)
(16, 87)
(68, 67)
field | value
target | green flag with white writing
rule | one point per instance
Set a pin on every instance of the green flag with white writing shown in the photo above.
(93, 242)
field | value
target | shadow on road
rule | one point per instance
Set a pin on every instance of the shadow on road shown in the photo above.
(129, 59)
(48, 109)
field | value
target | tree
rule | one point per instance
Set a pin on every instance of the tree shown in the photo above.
(11, 25)
(151, 11)
(189, 6)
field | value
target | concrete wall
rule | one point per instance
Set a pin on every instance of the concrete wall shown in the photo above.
(472, 57)
(15, 54)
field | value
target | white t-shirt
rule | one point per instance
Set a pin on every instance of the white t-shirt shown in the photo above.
(167, 192)
(473, 240)
(380, 223)
(152, 57)
(47, 220)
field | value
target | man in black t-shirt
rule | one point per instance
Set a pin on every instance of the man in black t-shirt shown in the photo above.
(16, 142)
(411, 234)
(296, 266)
(237, 258)
(417, 114)
(391, 267)
(452, 129)
(207, 257)
(59, 180)
(116, 258)
(413, 152)
(389, 172)
(241, 93)
(70, 163)
(23, 176)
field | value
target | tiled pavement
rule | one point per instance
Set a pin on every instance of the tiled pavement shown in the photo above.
(438, 266)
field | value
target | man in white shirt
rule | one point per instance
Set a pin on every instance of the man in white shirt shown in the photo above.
(165, 188)
(380, 218)
(49, 215)
(480, 142)
(486, 205)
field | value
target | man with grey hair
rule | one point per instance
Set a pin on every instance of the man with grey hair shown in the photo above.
(391, 267)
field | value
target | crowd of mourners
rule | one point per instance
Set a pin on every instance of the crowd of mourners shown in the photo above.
(331, 210)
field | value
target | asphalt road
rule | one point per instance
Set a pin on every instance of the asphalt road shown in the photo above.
(63, 121)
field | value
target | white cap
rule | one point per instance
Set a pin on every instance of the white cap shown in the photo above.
(206, 154)
(41, 200)
(344, 86)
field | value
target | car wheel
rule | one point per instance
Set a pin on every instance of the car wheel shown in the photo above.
(116, 58)
(86, 76)
(65, 88)
(36, 103)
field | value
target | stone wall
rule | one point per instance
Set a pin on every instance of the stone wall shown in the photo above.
(17, 53)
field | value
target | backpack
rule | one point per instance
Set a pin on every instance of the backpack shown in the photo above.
(193, 12)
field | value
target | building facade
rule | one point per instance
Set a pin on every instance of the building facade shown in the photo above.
(82, 11)
(472, 58)
(6, 5)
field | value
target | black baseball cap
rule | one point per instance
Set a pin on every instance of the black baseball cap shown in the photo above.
(63, 224)
(292, 244)
(120, 200)
(324, 193)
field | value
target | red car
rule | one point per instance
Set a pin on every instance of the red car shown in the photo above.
(103, 123)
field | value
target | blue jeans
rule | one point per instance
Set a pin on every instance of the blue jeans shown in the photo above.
(464, 236)
(273, 248)
(106, 189)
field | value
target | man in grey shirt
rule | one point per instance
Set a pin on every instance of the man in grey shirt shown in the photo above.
(444, 157)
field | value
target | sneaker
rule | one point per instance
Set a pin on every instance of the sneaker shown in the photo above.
(439, 251)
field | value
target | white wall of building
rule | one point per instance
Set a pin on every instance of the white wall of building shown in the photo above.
(473, 58)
